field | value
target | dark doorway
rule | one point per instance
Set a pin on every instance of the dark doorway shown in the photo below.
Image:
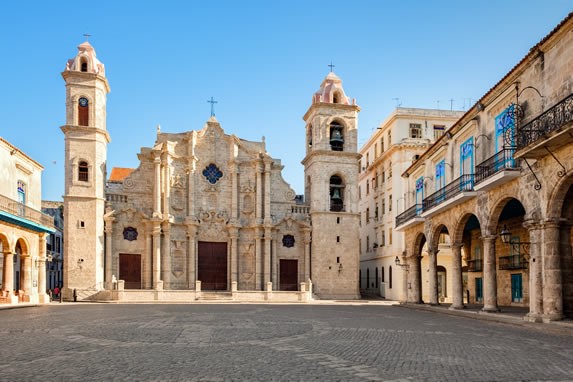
(212, 264)
(130, 270)
(288, 275)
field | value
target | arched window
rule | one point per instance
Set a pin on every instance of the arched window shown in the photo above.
(336, 136)
(83, 171)
(367, 278)
(336, 194)
(83, 111)
(382, 274)
(84, 66)
(376, 285)
(309, 137)
(336, 97)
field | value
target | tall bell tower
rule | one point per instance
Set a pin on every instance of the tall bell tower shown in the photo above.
(331, 188)
(86, 140)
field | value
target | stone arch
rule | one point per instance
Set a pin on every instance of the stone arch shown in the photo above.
(435, 235)
(557, 197)
(459, 226)
(419, 243)
(23, 245)
(495, 212)
(4, 244)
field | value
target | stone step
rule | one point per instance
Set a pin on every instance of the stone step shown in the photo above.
(216, 296)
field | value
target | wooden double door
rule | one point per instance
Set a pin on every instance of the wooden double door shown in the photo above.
(288, 275)
(212, 265)
(130, 270)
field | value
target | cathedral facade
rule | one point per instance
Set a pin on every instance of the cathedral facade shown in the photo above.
(206, 210)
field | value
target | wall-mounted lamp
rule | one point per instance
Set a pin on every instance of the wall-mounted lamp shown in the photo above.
(517, 246)
(397, 262)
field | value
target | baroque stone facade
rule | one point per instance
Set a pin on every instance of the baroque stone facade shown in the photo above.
(206, 210)
(506, 199)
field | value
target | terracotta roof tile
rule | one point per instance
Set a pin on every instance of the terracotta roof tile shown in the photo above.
(118, 174)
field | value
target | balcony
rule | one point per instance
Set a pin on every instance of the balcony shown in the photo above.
(496, 170)
(18, 213)
(475, 265)
(550, 130)
(409, 217)
(452, 194)
(512, 262)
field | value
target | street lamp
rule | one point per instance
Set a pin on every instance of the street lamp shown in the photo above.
(397, 261)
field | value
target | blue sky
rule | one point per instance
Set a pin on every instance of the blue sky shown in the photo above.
(261, 60)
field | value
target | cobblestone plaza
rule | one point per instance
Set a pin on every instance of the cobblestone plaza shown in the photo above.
(335, 342)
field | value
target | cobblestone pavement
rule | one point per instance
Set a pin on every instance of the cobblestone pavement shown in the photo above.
(109, 342)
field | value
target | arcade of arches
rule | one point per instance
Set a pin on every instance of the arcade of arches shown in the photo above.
(508, 248)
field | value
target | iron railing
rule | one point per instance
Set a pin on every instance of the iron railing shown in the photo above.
(475, 265)
(409, 214)
(16, 208)
(498, 162)
(551, 120)
(512, 262)
(452, 189)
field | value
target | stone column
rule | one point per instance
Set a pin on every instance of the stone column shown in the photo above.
(535, 265)
(306, 233)
(42, 269)
(457, 282)
(147, 271)
(108, 251)
(258, 245)
(566, 254)
(489, 274)
(415, 276)
(8, 273)
(433, 275)
(157, 185)
(26, 267)
(166, 254)
(234, 191)
(157, 283)
(552, 278)
(233, 240)
(274, 263)
(267, 257)
(192, 237)
(267, 192)
(166, 185)
(259, 196)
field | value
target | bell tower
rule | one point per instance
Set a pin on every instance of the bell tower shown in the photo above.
(331, 188)
(86, 140)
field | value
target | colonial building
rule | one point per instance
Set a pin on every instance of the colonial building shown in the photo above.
(397, 142)
(498, 183)
(54, 244)
(23, 228)
(207, 210)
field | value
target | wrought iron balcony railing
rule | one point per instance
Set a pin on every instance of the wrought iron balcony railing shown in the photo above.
(500, 161)
(409, 214)
(452, 189)
(513, 262)
(16, 208)
(551, 120)
(475, 265)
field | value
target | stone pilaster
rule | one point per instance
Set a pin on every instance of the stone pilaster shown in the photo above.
(157, 185)
(267, 257)
(267, 192)
(489, 274)
(157, 283)
(259, 196)
(166, 254)
(457, 282)
(108, 251)
(306, 233)
(192, 252)
(148, 263)
(43, 297)
(234, 243)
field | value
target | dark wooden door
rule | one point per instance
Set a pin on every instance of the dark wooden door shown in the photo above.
(130, 270)
(288, 275)
(212, 264)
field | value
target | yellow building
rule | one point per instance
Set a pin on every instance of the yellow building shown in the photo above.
(23, 228)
